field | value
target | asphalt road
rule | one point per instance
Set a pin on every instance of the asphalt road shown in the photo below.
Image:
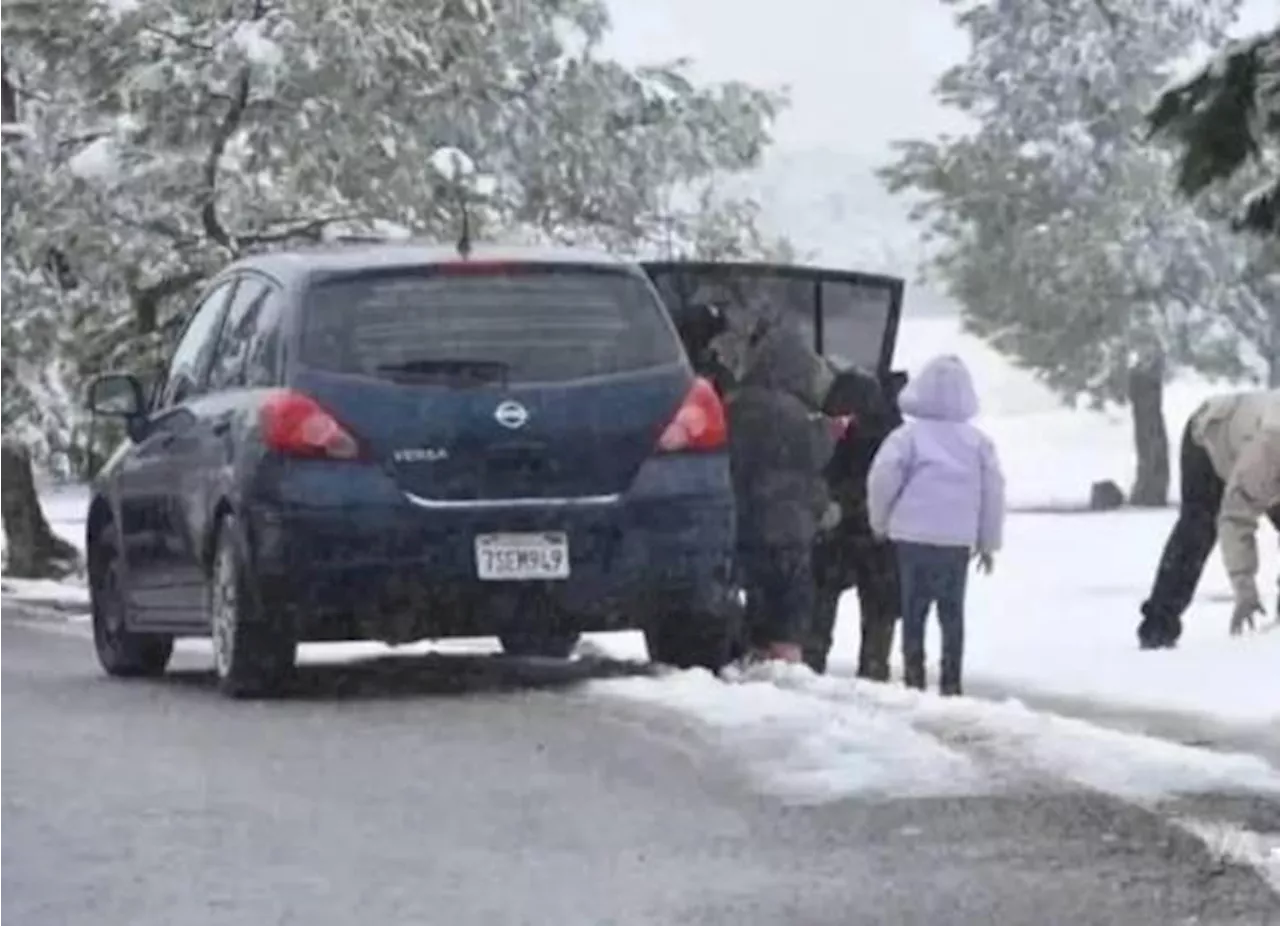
(464, 791)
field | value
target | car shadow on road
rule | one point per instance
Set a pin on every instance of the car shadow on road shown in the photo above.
(432, 674)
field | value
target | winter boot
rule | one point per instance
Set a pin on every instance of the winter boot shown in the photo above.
(913, 676)
(1158, 631)
(949, 677)
(877, 641)
(873, 670)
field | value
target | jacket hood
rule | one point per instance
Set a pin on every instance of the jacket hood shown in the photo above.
(943, 391)
(782, 360)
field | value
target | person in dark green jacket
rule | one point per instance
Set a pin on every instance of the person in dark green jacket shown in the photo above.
(780, 444)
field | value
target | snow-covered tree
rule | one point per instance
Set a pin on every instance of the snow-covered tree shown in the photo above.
(167, 136)
(31, 548)
(1256, 317)
(1226, 115)
(1055, 224)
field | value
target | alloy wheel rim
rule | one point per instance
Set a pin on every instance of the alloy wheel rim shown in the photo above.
(223, 616)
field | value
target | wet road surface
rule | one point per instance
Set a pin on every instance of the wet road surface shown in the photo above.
(481, 791)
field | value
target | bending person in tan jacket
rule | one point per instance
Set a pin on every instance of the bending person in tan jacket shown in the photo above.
(1230, 461)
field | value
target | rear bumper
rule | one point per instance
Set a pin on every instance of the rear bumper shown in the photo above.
(343, 553)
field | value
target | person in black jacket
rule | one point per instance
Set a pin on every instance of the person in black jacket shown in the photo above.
(849, 555)
(780, 444)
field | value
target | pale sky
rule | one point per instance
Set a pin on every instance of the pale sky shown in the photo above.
(860, 71)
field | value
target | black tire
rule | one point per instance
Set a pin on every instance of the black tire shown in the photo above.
(544, 645)
(253, 656)
(692, 641)
(122, 653)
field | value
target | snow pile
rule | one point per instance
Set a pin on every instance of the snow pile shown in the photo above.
(806, 748)
(811, 739)
(65, 508)
(1237, 845)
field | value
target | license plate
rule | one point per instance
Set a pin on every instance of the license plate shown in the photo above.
(522, 557)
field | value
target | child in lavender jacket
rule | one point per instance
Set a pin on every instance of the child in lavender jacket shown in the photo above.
(935, 488)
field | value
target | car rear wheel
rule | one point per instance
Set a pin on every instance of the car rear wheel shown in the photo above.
(689, 640)
(122, 653)
(533, 643)
(253, 656)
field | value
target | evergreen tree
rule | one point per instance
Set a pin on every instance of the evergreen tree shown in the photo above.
(1225, 116)
(1055, 225)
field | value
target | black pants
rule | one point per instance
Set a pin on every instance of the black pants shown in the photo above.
(872, 568)
(1185, 552)
(780, 592)
(932, 575)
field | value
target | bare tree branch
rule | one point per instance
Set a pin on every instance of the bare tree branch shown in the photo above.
(311, 229)
(184, 40)
(222, 134)
(227, 128)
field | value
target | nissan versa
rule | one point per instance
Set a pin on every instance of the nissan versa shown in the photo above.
(396, 442)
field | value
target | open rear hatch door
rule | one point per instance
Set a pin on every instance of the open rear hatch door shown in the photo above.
(497, 382)
(852, 317)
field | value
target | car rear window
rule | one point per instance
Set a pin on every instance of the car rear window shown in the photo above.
(535, 324)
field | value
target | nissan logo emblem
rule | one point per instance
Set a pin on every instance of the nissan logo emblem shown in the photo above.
(511, 415)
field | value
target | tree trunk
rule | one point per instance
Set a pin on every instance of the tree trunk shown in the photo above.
(32, 551)
(1150, 436)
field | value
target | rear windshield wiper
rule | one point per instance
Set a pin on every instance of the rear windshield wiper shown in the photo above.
(451, 368)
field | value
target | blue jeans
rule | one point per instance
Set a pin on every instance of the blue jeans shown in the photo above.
(930, 575)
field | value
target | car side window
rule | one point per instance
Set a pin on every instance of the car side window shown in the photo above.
(262, 367)
(230, 358)
(191, 357)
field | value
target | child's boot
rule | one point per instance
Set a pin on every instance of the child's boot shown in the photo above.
(913, 675)
(949, 681)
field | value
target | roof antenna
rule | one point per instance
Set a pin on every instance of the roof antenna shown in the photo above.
(457, 168)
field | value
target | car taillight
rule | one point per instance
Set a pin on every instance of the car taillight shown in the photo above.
(699, 424)
(296, 425)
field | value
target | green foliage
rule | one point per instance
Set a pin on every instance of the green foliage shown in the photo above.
(1053, 222)
(1224, 117)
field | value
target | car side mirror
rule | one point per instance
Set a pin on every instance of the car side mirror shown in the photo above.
(119, 395)
(116, 395)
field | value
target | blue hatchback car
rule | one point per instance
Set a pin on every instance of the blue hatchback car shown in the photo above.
(395, 442)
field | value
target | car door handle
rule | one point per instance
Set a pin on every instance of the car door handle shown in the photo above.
(220, 428)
